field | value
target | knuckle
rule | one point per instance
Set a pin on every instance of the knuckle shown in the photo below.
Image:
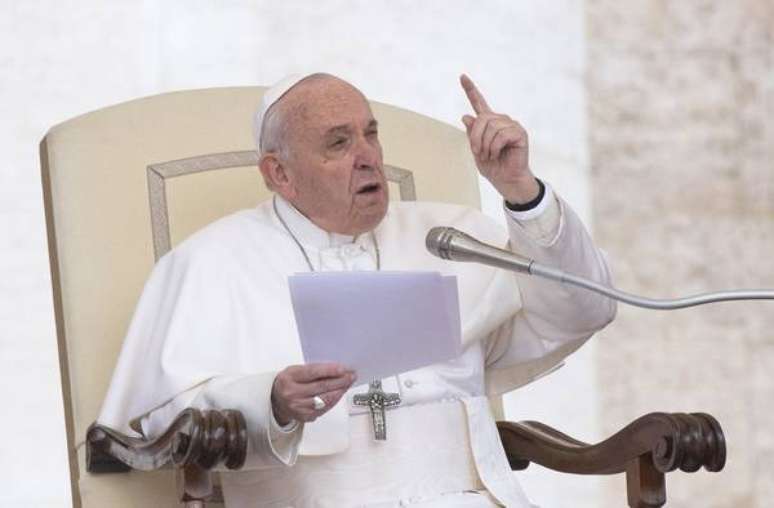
(281, 391)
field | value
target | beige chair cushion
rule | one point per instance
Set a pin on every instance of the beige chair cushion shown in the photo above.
(96, 187)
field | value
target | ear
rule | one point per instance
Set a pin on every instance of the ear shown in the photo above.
(275, 176)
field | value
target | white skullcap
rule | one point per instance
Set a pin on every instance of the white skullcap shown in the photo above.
(271, 96)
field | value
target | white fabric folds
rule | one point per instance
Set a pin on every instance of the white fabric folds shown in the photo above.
(215, 320)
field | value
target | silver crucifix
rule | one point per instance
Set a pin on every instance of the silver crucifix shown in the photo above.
(377, 400)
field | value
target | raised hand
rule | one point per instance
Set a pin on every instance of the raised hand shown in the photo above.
(294, 390)
(500, 147)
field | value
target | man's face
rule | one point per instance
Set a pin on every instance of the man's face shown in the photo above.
(334, 159)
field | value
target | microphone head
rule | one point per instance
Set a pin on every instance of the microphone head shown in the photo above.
(454, 245)
(438, 240)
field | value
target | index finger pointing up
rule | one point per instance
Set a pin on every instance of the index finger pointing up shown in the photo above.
(474, 95)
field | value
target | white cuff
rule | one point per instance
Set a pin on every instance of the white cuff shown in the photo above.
(283, 439)
(541, 224)
(282, 429)
(533, 213)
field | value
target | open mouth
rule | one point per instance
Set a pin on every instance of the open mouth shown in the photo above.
(369, 188)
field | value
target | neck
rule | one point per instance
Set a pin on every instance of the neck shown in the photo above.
(303, 231)
(327, 225)
(308, 231)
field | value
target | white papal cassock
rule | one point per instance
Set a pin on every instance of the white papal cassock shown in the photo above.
(215, 324)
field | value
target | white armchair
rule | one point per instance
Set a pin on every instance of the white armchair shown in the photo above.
(124, 184)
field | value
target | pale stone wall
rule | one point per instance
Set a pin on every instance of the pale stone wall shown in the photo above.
(681, 128)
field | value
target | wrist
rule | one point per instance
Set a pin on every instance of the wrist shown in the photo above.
(526, 199)
(521, 190)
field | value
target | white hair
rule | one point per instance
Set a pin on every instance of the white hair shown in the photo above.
(271, 129)
(274, 131)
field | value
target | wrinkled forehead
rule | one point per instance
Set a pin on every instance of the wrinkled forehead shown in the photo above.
(322, 104)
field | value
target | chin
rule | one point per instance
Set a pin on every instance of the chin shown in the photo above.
(369, 223)
(369, 219)
(367, 211)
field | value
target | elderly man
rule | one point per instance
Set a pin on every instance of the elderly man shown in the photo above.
(214, 327)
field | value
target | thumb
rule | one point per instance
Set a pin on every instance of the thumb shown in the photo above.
(468, 121)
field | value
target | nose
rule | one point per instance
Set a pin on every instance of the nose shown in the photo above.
(368, 154)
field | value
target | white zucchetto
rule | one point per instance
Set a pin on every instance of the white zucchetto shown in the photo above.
(271, 96)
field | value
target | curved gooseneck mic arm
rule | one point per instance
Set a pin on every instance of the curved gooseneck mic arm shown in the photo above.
(449, 243)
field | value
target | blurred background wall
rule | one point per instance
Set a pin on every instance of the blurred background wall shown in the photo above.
(651, 119)
(681, 143)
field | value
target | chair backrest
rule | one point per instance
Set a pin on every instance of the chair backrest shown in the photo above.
(125, 183)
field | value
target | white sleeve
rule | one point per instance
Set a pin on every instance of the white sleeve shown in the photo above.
(555, 318)
(540, 223)
(269, 444)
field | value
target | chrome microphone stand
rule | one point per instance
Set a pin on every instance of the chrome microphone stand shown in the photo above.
(449, 243)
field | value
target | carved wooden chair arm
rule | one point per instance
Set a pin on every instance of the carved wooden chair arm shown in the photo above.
(657, 443)
(202, 438)
(194, 443)
(645, 450)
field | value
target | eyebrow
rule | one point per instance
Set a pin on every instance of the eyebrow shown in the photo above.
(345, 127)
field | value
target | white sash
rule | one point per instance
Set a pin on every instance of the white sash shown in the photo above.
(431, 449)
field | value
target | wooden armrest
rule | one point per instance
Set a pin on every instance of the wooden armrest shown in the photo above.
(645, 450)
(657, 443)
(198, 438)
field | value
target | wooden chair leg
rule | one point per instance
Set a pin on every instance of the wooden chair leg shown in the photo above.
(194, 486)
(645, 485)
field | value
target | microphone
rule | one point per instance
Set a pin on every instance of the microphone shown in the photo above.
(454, 245)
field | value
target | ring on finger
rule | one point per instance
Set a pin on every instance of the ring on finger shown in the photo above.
(318, 402)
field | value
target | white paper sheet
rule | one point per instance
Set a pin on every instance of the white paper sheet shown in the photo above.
(378, 323)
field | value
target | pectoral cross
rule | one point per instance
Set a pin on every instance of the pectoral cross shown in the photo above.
(377, 400)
